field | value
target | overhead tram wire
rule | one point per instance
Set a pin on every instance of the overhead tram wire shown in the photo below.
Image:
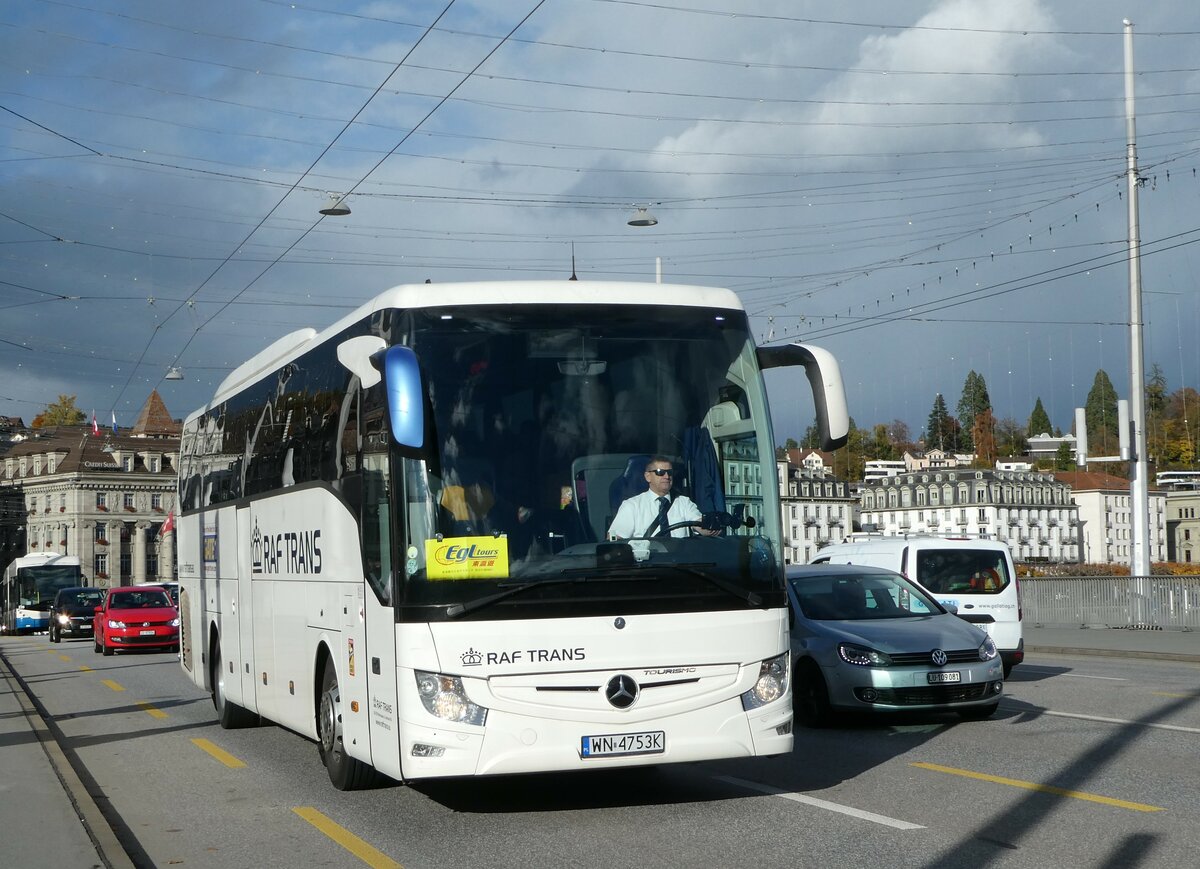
(349, 191)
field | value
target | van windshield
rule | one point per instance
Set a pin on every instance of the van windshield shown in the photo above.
(962, 571)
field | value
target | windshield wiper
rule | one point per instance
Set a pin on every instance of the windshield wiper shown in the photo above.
(509, 589)
(725, 586)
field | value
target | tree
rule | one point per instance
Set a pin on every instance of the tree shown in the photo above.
(1156, 406)
(1064, 458)
(1100, 415)
(1010, 438)
(941, 430)
(1039, 420)
(984, 435)
(61, 412)
(881, 446)
(974, 401)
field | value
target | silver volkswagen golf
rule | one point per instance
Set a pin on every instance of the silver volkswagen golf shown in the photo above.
(868, 640)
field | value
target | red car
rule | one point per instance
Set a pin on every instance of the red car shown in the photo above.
(135, 617)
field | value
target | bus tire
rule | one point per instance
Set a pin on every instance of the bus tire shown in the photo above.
(229, 715)
(345, 772)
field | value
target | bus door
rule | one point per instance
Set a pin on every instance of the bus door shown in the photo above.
(245, 616)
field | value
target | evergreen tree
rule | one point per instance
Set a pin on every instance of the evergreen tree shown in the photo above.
(1064, 459)
(941, 430)
(974, 401)
(1039, 420)
(1100, 415)
(61, 412)
(984, 435)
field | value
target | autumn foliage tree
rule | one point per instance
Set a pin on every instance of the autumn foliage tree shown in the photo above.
(61, 412)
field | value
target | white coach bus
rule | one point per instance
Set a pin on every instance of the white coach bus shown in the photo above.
(394, 533)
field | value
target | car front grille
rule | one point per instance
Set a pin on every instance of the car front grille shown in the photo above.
(931, 695)
(925, 659)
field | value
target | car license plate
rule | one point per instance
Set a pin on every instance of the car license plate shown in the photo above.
(945, 676)
(151, 633)
(618, 744)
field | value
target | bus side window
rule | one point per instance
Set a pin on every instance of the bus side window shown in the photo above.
(372, 463)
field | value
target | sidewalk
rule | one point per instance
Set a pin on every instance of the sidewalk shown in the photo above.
(47, 816)
(1118, 642)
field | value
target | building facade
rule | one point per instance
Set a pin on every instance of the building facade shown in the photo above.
(103, 498)
(1105, 508)
(1030, 512)
(818, 509)
(1183, 526)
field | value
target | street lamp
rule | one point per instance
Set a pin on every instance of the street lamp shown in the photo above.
(643, 217)
(336, 207)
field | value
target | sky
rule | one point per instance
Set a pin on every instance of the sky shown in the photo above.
(922, 188)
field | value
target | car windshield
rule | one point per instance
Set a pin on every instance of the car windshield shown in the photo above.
(131, 600)
(84, 597)
(962, 571)
(862, 596)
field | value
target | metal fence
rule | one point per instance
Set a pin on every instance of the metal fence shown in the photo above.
(1166, 602)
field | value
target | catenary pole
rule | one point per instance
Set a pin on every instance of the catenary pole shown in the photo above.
(1139, 564)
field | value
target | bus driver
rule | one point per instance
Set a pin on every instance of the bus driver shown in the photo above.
(653, 512)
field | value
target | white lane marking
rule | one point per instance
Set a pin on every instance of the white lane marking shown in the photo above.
(1176, 727)
(1076, 675)
(821, 804)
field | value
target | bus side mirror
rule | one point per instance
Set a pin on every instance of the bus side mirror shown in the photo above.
(405, 395)
(825, 378)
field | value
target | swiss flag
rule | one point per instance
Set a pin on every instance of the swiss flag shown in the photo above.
(169, 525)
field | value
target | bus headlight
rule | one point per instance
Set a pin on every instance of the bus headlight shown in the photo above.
(445, 698)
(771, 683)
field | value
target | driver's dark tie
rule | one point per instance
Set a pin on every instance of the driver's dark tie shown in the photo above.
(664, 506)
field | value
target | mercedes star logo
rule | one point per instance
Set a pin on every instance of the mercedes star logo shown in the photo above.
(621, 691)
(939, 658)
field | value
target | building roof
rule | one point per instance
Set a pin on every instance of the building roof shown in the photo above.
(154, 421)
(77, 449)
(1094, 481)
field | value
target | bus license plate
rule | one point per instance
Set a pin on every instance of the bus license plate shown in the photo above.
(947, 676)
(618, 744)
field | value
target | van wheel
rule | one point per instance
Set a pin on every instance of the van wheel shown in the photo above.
(810, 697)
(229, 715)
(345, 772)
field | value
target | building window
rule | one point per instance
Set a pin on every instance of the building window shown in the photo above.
(37, 465)
(127, 463)
(33, 503)
(155, 464)
(126, 563)
(101, 500)
(156, 503)
(51, 464)
(128, 501)
(101, 565)
(101, 533)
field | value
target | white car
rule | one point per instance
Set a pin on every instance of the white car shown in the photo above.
(866, 639)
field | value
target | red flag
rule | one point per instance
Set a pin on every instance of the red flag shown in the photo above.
(169, 525)
(95, 427)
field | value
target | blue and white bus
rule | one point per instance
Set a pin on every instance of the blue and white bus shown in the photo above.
(394, 533)
(28, 588)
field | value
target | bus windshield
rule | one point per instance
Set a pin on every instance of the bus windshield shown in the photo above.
(36, 586)
(543, 420)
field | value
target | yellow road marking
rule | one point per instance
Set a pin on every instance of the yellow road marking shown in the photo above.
(85, 668)
(1169, 694)
(66, 658)
(1046, 789)
(150, 710)
(219, 753)
(114, 685)
(347, 840)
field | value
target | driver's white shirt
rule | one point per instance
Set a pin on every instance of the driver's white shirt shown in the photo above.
(636, 514)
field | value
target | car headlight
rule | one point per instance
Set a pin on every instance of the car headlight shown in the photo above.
(987, 651)
(113, 623)
(175, 622)
(771, 683)
(862, 656)
(445, 697)
(64, 619)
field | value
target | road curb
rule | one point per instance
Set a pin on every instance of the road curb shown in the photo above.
(108, 846)
(1114, 653)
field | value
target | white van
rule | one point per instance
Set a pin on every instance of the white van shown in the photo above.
(975, 576)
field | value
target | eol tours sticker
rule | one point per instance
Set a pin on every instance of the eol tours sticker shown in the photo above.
(467, 558)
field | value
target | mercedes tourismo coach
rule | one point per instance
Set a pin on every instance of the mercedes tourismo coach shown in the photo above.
(394, 537)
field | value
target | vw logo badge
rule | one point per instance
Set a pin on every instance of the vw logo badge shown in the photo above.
(621, 691)
(939, 658)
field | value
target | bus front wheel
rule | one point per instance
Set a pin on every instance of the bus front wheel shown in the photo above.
(345, 772)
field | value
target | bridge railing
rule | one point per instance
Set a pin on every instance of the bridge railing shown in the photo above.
(1149, 602)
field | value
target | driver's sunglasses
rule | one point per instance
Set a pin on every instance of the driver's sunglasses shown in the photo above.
(662, 472)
